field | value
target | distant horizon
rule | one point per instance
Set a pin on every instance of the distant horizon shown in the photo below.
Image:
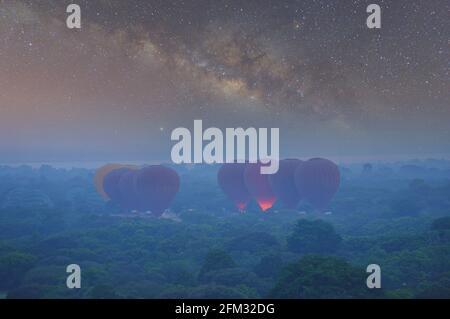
(341, 160)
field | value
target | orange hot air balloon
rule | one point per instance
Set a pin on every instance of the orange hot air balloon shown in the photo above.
(102, 172)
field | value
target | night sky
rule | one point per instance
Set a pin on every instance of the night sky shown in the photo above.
(136, 70)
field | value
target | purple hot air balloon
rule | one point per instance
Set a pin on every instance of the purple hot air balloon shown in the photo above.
(156, 187)
(129, 199)
(318, 181)
(259, 187)
(111, 184)
(231, 180)
(283, 183)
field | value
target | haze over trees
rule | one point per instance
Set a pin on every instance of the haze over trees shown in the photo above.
(205, 248)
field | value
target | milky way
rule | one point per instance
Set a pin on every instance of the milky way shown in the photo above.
(138, 69)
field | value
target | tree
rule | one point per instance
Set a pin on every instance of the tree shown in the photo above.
(13, 267)
(405, 207)
(322, 277)
(269, 266)
(27, 292)
(441, 224)
(438, 289)
(103, 292)
(314, 236)
(216, 260)
(419, 187)
(217, 292)
(253, 242)
(234, 277)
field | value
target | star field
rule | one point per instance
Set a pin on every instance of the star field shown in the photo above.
(138, 69)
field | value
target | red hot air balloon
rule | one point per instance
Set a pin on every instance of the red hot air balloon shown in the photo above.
(318, 180)
(283, 183)
(259, 187)
(231, 180)
(156, 187)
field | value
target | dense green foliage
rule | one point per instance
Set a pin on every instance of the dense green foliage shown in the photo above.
(321, 277)
(313, 236)
(51, 218)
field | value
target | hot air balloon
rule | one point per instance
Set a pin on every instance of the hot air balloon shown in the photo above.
(259, 187)
(102, 172)
(111, 183)
(318, 181)
(129, 199)
(100, 175)
(283, 183)
(156, 187)
(231, 180)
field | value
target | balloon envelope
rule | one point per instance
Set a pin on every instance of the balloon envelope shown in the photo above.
(231, 180)
(259, 187)
(100, 175)
(283, 183)
(111, 183)
(129, 199)
(156, 187)
(318, 180)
